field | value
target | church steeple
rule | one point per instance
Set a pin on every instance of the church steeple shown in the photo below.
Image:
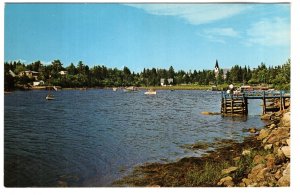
(217, 65)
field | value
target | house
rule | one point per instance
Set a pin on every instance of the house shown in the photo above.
(37, 83)
(170, 81)
(63, 72)
(162, 82)
(30, 74)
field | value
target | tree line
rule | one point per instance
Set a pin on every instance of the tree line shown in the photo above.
(82, 75)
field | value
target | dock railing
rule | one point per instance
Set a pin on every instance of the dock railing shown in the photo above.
(237, 102)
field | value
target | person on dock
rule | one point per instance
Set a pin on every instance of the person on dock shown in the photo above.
(230, 89)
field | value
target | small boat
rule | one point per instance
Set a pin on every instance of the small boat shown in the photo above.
(115, 89)
(130, 89)
(150, 92)
(50, 97)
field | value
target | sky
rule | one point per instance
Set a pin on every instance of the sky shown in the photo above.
(186, 36)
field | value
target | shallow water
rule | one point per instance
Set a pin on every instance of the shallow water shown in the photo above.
(93, 137)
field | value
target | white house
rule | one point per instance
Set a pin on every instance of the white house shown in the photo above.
(37, 83)
(63, 72)
(162, 82)
(170, 81)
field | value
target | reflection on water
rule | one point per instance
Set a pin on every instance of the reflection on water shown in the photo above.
(92, 137)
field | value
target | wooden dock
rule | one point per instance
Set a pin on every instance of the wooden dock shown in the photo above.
(237, 104)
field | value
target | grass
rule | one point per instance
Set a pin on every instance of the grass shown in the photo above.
(245, 163)
(209, 175)
(185, 87)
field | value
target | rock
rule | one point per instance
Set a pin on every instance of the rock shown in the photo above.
(210, 113)
(237, 158)
(270, 158)
(285, 120)
(252, 130)
(252, 185)
(229, 170)
(246, 181)
(272, 126)
(153, 186)
(242, 184)
(246, 152)
(226, 181)
(280, 157)
(285, 179)
(261, 174)
(268, 146)
(278, 174)
(286, 151)
(288, 142)
(258, 159)
(278, 135)
(255, 170)
(265, 117)
(263, 134)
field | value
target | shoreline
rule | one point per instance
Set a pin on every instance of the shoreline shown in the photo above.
(175, 87)
(262, 159)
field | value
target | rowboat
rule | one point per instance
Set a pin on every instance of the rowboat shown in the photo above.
(150, 92)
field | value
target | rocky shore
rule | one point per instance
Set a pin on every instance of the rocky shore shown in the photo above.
(263, 159)
(272, 166)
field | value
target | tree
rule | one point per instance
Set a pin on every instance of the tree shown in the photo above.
(72, 69)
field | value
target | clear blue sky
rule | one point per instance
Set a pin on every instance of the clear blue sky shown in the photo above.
(186, 36)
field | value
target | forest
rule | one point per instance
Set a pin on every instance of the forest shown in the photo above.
(83, 75)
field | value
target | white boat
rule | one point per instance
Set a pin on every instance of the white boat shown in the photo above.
(50, 97)
(150, 92)
(115, 89)
(130, 89)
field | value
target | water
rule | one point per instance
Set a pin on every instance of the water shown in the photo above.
(93, 137)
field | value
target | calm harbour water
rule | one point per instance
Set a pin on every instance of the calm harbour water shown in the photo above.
(93, 137)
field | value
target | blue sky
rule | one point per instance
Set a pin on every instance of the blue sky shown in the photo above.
(186, 36)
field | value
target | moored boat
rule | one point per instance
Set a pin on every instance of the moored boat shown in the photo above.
(50, 97)
(150, 92)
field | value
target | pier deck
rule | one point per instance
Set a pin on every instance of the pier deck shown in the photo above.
(232, 104)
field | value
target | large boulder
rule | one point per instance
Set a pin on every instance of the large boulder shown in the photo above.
(286, 151)
(255, 170)
(285, 120)
(278, 134)
(263, 134)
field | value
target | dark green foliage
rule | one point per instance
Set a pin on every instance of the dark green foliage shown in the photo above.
(101, 76)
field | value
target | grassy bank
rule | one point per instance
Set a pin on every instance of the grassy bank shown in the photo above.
(185, 87)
